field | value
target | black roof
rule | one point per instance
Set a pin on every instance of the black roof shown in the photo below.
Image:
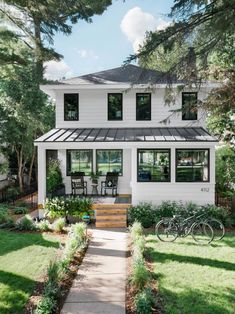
(171, 134)
(130, 74)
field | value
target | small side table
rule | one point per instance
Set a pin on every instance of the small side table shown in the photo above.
(94, 189)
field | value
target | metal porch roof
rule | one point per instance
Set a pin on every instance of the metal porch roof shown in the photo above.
(160, 134)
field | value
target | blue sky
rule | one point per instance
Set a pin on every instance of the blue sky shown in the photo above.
(108, 41)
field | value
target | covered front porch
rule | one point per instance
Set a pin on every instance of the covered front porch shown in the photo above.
(152, 163)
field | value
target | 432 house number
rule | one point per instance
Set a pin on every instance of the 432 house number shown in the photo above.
(205, 189)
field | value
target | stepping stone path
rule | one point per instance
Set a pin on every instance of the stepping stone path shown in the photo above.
(100, 285)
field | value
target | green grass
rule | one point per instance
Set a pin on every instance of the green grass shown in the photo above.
(193, 278)
(24, 258)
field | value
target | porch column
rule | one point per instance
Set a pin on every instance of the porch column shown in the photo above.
(173, 162)
(133, 173)
(41, 179)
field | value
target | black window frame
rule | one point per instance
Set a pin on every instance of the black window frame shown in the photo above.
(157, 149)
(192, 149)
(77, 100)
(184, 113)
(68, 172)
(150, 99)
(97, 169)
(108, 106)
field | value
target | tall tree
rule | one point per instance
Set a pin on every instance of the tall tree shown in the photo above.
(38, 21)
(24, 109)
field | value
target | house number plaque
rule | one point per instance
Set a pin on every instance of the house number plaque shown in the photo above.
(205, 189)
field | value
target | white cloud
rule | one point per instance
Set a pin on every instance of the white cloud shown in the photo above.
(136, 23)
(87, 54)
(55, 70)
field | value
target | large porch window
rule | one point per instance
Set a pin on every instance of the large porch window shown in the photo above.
(153, 165)
(109, 161)
(79, 161)
(192, 165)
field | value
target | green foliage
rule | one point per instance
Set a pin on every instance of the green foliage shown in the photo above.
(44, 225)
(58, 225)
(54, 176)
(12, 193)
(136, 230)
(142, 213)
(77, 239)
(144, 301)
(20, 210)
(46, 305)
(26, 223)
(225, 169)
(140, 275)
(64, 206)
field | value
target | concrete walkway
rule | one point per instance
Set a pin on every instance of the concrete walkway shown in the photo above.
(100, 283)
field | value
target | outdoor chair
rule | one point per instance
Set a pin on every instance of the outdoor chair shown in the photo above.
(78, 183)
(110, 183)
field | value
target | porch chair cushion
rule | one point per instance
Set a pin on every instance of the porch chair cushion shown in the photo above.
(110, 183)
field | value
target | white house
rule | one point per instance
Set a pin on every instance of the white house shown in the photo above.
(112, 121)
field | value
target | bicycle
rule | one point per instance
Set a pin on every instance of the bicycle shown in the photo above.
(169, 229)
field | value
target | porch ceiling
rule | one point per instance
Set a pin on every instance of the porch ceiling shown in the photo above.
(166, 134)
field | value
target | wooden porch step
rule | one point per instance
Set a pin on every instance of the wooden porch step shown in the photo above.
(110, 206)
(117, 211)
(110, 224)
(111, 217)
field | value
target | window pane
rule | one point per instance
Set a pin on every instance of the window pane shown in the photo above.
(192, 165)
(109, 161)
(70, 107)
(153, 165)
(115, 106)
(79, 161)
(189, 108)
(143, 106)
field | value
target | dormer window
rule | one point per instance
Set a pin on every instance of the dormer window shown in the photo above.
(115, 106)
(143, 106)
(71, 107)
(189, 106)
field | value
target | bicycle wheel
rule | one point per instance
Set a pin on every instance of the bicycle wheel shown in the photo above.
(202, 233)
(218, 228)
(166, 230)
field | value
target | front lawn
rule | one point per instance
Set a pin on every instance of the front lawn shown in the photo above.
(24, 258)
(192, 278)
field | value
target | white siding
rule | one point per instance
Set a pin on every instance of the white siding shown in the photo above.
(93, 109)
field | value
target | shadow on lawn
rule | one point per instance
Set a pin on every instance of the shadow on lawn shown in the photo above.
(13, 241)
(194, 301)
(160, 257)
(13, 299)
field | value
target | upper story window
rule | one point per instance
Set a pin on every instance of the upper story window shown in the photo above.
(153, 165)
(189, 106)
(143, 106)
(71, 107)
(115, 106)
(192, 165)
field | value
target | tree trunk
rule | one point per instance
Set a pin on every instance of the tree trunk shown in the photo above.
(20, 168)
(31, 166)
(38, 51)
